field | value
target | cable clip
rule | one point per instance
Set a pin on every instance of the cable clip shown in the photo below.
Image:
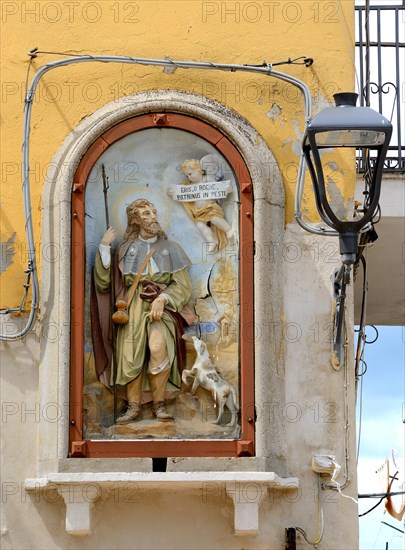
(33, 53)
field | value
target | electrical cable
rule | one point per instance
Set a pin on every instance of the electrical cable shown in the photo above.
(360, 352)
(32, 57)
(266, 70)
(334, 485)
(360, 349)
(381, 499)
(321, 521)
(364, 369)
(377, 537)
(392, 527)
(372, 508)
(28, 271)
(346, 421)
(377, 335)
(383, 495)
(307, 61)
(360, 421)
(378, 215)
(360, 339)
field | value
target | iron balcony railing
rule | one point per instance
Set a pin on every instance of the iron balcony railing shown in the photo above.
(384, 44)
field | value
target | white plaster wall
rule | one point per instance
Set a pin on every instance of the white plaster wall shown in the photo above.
(319, 410)
(20, 416)
(166, 520)
(138, 518)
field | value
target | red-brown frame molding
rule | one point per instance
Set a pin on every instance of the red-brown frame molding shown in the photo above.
(163, 448)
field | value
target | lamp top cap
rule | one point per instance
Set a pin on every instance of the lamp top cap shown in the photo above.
(346, 116)
(345, 99)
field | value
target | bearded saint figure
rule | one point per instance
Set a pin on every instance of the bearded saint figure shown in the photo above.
(149, 350)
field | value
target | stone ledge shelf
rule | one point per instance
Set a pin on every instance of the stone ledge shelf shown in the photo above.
(81, 490)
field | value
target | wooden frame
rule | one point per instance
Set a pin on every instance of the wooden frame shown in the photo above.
(163, 448)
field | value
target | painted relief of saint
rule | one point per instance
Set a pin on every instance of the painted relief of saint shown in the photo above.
(149, 349)
(207, 214)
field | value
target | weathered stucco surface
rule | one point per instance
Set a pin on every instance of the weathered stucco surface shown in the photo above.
(229, 32)
(302, 402)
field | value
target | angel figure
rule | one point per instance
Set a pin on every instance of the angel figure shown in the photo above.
(206, 212)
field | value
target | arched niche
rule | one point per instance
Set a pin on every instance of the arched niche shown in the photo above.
(268, 216)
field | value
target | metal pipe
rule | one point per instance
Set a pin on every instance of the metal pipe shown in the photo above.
(367, 55)
(379, 62)
(361, 61)
(398, 86)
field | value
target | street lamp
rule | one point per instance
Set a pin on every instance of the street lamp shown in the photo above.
(348, 126)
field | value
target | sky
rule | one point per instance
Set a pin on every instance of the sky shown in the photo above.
(382, 430)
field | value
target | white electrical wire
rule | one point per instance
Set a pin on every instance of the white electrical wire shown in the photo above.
(363, 337)
(321, 521)
(265, 69)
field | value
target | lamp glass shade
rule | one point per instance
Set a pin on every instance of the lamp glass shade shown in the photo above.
(350, 138)
(352, 127)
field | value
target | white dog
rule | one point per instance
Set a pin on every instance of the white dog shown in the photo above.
(204, 374)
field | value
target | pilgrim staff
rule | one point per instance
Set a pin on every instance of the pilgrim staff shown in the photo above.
(112, 294)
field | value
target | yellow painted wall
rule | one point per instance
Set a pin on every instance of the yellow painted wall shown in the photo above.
(227, 32)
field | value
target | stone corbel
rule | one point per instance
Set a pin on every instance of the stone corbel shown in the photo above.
(246, 498)
(246, 489)
(79, 500)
